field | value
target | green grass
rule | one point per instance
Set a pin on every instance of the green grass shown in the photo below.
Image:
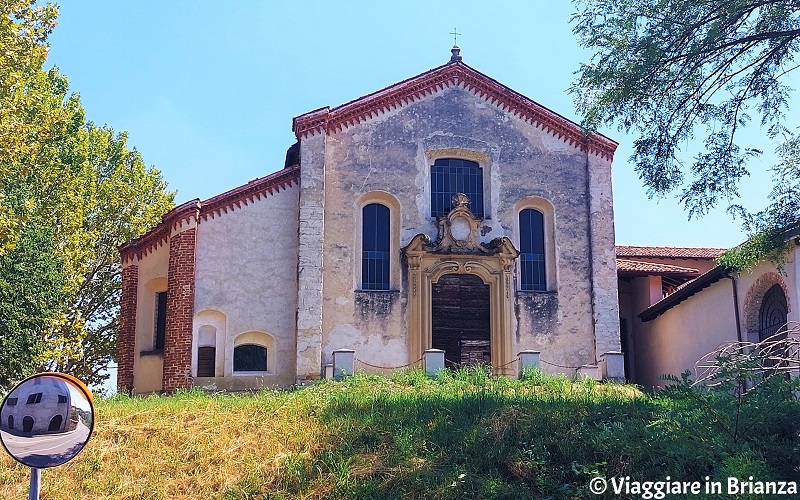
(463, 435)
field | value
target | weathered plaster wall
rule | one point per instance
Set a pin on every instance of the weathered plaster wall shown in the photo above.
(148, 367)
(673, 342)
(246, 281)
(393, 152)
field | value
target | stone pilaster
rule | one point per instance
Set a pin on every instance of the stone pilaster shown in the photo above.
(605, 296)
(180, 306)
(310, 258)
(127, 326)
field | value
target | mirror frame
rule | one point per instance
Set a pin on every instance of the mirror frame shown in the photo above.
(70, 380)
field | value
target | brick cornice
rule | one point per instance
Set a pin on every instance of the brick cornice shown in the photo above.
(248, 193)
(451, 74)
(197, 210)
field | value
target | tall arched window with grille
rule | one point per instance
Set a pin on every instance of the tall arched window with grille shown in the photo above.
(375, 244)
(450, 176)
(533, 271)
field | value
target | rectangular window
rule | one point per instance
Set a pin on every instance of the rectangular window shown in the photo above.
(11, 401)
(34, 398)
(62, 399)
(450, 176)
(161, 320)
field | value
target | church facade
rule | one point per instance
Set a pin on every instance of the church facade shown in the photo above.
(445, 211)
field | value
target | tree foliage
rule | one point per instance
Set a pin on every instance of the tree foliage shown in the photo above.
(70, 193)
(673, 71)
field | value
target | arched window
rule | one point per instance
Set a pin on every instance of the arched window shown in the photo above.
(206, 359)
(533, 271)
(772, 315)
(450, 176)
(375, 245)
(249, 358)
(11, 422)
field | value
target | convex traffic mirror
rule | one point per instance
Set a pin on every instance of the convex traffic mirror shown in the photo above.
(46, 420)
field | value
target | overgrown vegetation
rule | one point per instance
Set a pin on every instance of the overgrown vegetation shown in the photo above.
(462, 435)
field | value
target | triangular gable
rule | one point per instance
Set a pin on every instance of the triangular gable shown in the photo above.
(451, 74)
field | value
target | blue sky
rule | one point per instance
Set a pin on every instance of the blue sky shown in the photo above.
(207, 90)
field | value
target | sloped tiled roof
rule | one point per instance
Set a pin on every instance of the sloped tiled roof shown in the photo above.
(636, 266)
(452, 74)
(670, 252)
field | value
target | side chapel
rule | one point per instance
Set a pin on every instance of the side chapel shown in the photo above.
(444, 211)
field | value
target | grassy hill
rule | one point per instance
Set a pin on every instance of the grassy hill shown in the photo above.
(462, 435)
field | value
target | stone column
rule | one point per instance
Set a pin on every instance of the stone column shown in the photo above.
(127, 324)
(180, 305)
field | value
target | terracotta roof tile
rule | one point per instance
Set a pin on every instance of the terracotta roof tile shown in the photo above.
(669, 252)
(636, 266)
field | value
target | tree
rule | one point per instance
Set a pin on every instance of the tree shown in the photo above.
(70, 193)
(123, 201)
(32, 292)
(673, 70)
(24, 28)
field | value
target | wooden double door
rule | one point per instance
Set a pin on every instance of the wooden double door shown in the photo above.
(461, 319)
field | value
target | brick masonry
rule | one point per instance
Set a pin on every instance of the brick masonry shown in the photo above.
(180, 311)
(127, 328)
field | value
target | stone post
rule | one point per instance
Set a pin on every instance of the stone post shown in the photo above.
(528, 359)
(343, 363)
(433, 361)
(612, 366)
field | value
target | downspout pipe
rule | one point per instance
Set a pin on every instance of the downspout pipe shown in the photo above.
(736, 307)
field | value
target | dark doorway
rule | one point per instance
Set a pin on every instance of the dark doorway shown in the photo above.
(206, 359)
(55, 424)
(623, 347)
(27, 425)
(460, 319)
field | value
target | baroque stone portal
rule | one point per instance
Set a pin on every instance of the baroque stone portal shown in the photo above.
(458, 250)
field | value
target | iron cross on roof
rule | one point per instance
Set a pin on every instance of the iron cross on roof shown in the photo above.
(455, 36)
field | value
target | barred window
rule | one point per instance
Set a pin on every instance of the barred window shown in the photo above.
(450, 176)
(375, 247)
(531, 243)
(250, 358)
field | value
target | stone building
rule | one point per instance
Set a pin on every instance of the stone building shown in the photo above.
(443, 211)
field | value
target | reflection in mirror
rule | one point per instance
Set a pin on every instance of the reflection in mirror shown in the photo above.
(46, 420)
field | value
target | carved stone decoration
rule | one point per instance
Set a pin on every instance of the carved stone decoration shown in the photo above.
(458, 250)
(459, 230)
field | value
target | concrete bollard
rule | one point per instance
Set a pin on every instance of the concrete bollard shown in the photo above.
(612, 366)
(433, 360)
(528, 359)
(343, 362)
